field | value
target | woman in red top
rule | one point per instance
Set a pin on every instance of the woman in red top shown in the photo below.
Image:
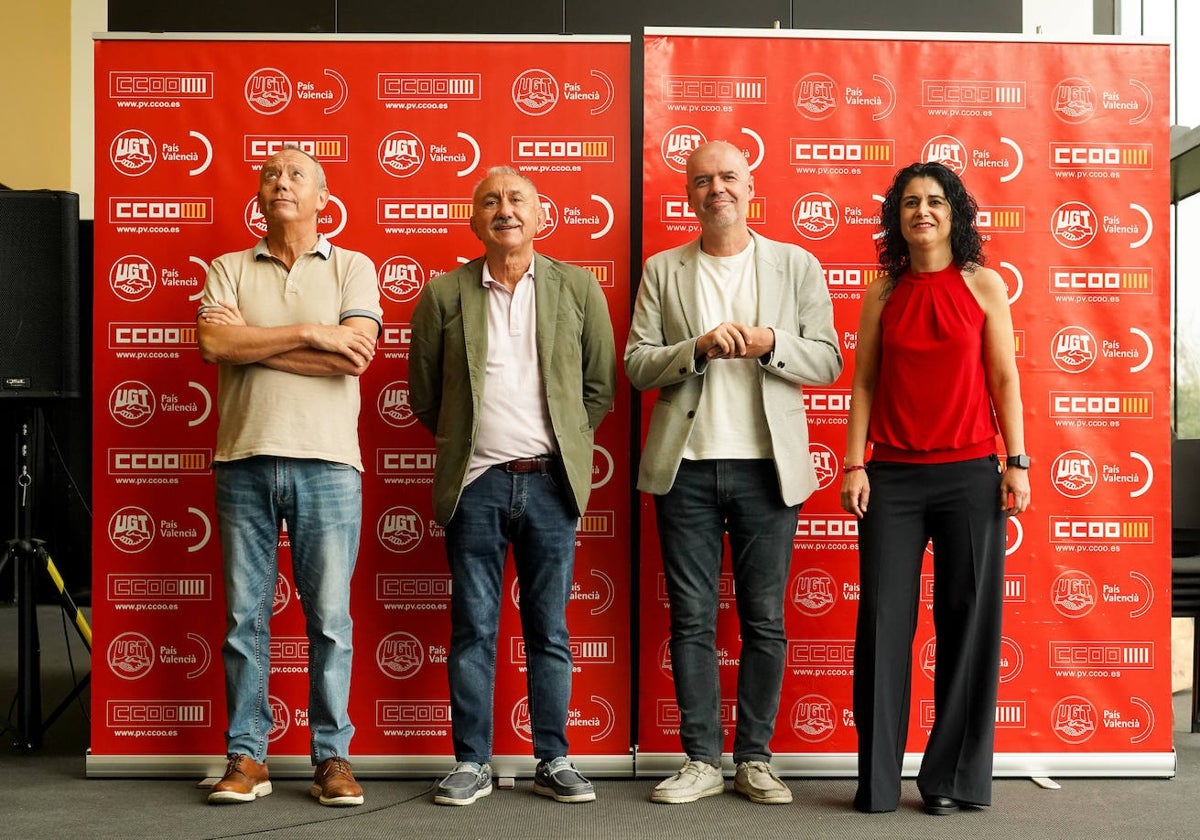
(935, 379)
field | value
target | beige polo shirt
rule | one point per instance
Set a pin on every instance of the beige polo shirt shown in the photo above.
(271, 412)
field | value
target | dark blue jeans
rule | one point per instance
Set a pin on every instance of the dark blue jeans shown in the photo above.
(709, 499)
(533, 513)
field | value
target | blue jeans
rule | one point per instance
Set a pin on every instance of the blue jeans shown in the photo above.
(533, 513)
(708, 499)
(322, 504)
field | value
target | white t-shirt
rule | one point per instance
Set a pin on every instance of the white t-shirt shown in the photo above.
(730, 420)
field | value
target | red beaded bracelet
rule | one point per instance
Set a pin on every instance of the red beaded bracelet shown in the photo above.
(853, 467)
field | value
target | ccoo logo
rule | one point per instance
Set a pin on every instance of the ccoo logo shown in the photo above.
(132, 152)
(268, 90)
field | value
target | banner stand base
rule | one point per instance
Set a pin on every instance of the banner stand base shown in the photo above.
(365, 766)
(1007, 765)
(791, 765)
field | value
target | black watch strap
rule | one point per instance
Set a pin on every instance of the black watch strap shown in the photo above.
(1021, 462)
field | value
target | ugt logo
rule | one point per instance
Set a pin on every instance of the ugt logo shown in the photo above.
(401, 154)
(814, 96)
(399, 655)
(268, 90)
(132, 152)
(1073, 225)
(1074, 474)
(535, 92)
(678, 144)
(1074, 100)
(948, 151)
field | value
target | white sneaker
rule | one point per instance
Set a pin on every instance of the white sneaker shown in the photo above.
(694, 780)
(757, 782)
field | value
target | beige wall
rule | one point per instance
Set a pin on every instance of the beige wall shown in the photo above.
(35, 94)
(88, 17)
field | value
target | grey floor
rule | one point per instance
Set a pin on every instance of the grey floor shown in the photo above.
(46, 795)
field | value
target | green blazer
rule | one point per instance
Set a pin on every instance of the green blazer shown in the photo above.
(448, 359)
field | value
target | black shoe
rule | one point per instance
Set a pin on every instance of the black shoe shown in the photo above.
(560, 779)
(939, 806)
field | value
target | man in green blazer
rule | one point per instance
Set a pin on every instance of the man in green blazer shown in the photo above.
(512, 367)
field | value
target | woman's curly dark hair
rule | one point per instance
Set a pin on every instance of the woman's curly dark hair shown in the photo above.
(965, 243)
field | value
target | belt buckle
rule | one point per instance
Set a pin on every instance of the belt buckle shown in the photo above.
(532, 464)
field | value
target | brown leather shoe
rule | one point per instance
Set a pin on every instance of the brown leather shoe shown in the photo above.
(244, 781)
(333, 783)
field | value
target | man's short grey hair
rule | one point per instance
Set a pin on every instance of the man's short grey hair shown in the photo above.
(504, 170)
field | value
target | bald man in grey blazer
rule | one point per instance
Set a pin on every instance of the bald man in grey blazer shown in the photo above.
(729, 328)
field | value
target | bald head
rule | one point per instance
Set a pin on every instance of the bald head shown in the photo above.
(721, 152)
(719, 188)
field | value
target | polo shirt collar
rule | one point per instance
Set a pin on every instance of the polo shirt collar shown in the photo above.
(323, 248)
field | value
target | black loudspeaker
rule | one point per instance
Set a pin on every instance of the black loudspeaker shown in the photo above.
(39, 294)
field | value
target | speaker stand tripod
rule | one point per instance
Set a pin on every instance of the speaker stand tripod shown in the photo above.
(28, 555)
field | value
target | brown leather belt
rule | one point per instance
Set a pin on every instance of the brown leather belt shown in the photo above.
(538, 464)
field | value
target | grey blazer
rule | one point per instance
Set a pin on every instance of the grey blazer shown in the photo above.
(660, 353)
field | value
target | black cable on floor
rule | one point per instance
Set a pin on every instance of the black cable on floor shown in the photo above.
(358, 811)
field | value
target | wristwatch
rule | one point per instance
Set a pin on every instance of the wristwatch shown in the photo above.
(1021, 462)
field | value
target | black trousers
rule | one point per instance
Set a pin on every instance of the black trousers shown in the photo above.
(957, 505)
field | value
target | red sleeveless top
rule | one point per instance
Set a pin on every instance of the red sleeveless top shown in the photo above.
(931, 402)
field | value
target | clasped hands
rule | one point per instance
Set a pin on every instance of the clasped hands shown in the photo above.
(728, 340)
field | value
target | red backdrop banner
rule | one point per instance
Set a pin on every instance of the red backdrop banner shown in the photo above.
(1065, 147)
(404, 129)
